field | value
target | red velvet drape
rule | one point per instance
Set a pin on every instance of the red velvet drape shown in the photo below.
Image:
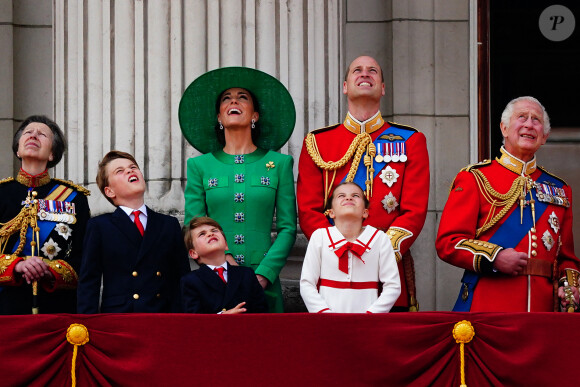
(405, 349)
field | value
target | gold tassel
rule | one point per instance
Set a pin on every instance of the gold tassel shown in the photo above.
(76, 334)
(463, 333)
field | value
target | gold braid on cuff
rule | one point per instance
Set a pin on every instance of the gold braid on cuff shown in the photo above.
(65, 271)
(397, 236)
(480, 249)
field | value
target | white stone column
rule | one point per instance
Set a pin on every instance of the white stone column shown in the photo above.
(121, 67)
(7, 83)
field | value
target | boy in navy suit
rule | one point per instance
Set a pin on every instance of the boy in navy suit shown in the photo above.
(217, 286)
(138, 253)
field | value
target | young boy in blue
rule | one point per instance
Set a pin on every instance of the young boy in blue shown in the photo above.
(138, 253)
(217, 286)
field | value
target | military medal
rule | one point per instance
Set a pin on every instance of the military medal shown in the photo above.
(50, 249)
(63, 230)
(389, 202)
(395, 156)
(388, 152)
(389, 176)
(547, 193)
(548, 240)
(56, 211)
(554, 222)
(379, 157)
(403, 157)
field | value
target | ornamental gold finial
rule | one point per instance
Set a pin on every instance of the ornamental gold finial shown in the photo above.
(463, 332)
(76, 334)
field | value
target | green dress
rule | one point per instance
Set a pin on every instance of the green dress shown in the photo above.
(241, 193)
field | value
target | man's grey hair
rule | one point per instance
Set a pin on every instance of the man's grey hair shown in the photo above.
(509, 111)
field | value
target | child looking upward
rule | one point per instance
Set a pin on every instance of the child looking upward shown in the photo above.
(217, 286)
(137, 252)
(349, 268)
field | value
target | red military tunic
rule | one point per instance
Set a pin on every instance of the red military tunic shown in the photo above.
(548, 242)
(400, 187)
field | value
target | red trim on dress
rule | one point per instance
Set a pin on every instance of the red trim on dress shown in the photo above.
(348, 285)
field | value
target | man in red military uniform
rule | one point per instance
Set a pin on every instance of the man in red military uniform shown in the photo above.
(388, 161)
(508, 223)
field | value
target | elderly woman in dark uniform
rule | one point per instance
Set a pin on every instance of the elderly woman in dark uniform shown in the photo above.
(42, 225)
(238, 117)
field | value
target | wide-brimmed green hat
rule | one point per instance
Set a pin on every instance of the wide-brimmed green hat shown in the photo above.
(197, 114)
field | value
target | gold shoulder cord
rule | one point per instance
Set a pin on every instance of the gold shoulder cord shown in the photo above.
(26, 217)
(361, 143)
(497, 199)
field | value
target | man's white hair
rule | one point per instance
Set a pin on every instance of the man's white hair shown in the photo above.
(509, 111)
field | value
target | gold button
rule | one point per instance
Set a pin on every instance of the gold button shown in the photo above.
(534, 253)
(534, 238)
(135, 274)
(158, 274)
(136, 296)
(534, 245)
(533, 229)
(58, 266)
(7, 257)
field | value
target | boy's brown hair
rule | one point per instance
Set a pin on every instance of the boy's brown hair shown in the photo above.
(102, 177)
(198, 222)
(329, 202)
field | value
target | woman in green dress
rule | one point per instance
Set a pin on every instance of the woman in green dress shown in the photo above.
(237, 117)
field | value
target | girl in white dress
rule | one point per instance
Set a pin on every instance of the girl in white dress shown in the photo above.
(349, 268)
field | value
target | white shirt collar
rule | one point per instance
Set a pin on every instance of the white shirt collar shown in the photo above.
(129, 211)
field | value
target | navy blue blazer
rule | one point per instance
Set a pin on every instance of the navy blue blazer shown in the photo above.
(140, 273)
(203, 291)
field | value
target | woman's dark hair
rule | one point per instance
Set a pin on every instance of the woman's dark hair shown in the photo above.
(220, 133)
(58, 139)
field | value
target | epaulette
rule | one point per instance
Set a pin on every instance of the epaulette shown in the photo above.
(320, 130)
(401, 126)
(477, 165)
(551, 174)
(78, 187)
(468, 169)
(7, 180)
